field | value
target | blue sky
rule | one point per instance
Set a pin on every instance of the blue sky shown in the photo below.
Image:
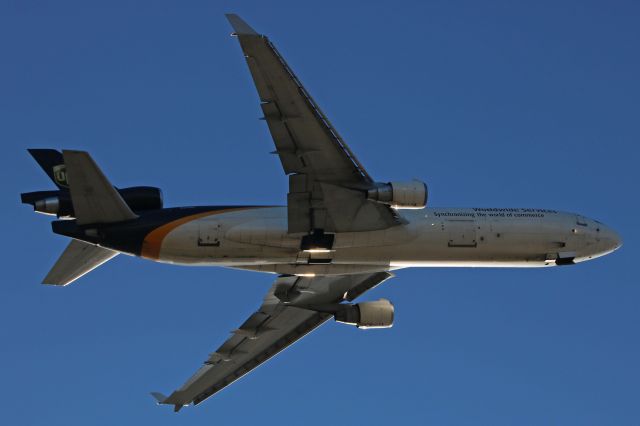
(491, 103)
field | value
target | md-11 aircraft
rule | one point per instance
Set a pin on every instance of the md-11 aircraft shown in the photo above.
(341, 233)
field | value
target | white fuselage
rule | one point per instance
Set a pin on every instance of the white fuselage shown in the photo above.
(257, 239)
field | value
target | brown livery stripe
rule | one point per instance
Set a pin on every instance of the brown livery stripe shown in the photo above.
(153, 241)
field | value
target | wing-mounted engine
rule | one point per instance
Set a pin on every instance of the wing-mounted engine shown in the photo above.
(319, 294)
(377, 314)
(400, 195)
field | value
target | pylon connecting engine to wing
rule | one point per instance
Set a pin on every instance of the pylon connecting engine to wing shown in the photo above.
(400, 195)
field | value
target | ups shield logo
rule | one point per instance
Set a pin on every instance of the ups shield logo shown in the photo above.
(60, 175)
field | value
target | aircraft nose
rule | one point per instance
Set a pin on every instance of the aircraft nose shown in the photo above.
(610, 238)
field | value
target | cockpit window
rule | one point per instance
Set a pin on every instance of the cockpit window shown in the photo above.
(581, 221)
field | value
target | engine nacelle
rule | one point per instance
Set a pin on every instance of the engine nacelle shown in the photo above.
(378, 314)
(49, 205)
(55, 203)
(58, 203)
(141, 198)
(400, 195)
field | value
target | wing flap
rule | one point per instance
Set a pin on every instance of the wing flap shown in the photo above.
(310, 149)
(296, 122)
(255, 358)
(268, 331)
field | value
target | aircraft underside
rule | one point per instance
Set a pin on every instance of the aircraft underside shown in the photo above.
(256, 238)
(338, 236)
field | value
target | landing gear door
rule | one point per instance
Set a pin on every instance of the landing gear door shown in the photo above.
(209, 233)
(462, 233)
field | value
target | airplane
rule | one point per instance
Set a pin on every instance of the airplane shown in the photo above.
(341, 233)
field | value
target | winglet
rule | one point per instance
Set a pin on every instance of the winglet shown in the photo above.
(239, 26)
(159, 397)
(163, 400)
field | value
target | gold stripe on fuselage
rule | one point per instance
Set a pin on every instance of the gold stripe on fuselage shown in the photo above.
(153, 241)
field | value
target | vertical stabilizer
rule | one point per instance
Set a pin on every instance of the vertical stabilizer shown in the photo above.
(52, 163)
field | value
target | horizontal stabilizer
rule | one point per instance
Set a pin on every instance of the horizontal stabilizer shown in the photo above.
(77, 259)
(93, 197)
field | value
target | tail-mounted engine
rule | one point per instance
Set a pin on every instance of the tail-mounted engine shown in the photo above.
(58, 203)
(378, 314)
(400, 195)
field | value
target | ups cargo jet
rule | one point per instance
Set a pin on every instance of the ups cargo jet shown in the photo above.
(340, 234)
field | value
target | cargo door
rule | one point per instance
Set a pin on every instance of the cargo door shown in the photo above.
(462, 233)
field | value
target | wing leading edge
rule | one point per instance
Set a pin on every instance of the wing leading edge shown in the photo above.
(327, 183)
(269, 330)
(327, 192)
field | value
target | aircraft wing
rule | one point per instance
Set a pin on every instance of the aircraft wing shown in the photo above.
(327, 183)
(269, 330)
